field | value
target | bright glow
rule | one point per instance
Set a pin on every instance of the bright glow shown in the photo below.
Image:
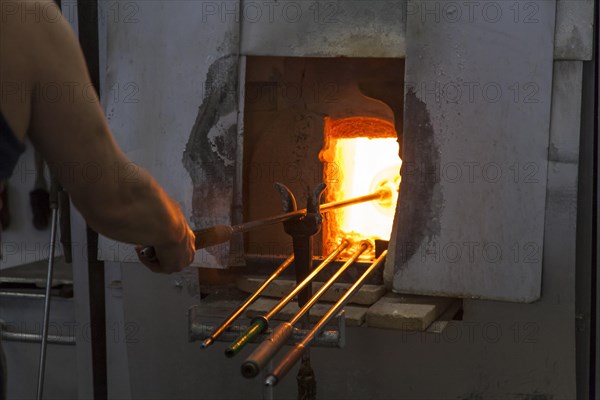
(364, 165)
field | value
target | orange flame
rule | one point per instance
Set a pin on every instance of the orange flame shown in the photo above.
(361, 157)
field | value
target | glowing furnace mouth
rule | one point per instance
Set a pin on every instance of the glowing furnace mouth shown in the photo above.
(356, 166)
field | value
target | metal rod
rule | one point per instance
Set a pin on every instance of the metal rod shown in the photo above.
(282, 303)
(42, 364)
(21, 295)
(380, 194)
(296, 353)
(260, 323)
(218, 234)
(330, 338)
(236, 313)
(364, 245)
(267, 349)
(26, 337)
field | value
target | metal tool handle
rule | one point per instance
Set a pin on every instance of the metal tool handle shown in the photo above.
(267, 350)
(206, 237)
(259, 324)
(284, 367)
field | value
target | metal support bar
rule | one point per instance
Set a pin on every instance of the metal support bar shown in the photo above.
(21, 295)
(26, 337)
(302, 231)
(93, 285)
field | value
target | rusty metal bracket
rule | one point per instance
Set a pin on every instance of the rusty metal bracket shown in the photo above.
(302, 230)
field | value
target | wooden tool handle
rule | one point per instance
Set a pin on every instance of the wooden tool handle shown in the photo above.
(204, 238)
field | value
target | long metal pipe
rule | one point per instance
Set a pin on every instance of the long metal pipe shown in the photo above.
(267, 349)
(308, 280)
(296, 353)
(380, 194)
(260, 323)
(42, 364)
(218, 234)
(236, 313)
(27, 337)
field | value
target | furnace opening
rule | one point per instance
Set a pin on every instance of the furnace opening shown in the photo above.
(313, 120)
(360, 156)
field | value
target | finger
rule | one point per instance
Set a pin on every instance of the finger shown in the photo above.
(192, 240)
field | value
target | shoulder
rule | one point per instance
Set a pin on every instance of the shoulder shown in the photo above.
(26, 28)
(33, 28)
(29, 11)
(33, 38)
(28, 16)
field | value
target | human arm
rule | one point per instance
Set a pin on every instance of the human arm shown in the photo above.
(119, 200)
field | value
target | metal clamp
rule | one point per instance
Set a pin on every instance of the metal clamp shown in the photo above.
(302, 230)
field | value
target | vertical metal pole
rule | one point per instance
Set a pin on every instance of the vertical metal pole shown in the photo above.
(267, 389)
(595, 298)
(87, 15)
(42, 363)
(49, 274)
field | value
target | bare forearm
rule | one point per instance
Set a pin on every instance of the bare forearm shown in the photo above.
(134, 210)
